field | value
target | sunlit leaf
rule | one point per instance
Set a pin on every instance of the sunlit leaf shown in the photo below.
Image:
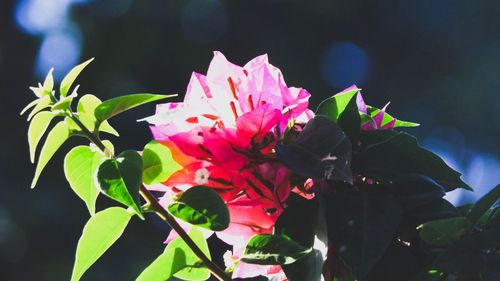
(55, 138)
(86, 107)
(114, 106)
(48, 84)
(71, 76)
(80, 166)
(100, 232)
(30, 105)
(267, 249)
(42, 104)
(158, 163)
(179, 259)
(201, 206)
(121, 178)
(37, 128)
(335, 105)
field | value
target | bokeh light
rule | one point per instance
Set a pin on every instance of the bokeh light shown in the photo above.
(344, 64)
(60, 50)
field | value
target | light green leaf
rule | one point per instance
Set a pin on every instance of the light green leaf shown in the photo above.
(158, 163)
(335, 105)
(444, 232)
(80, 166)
(270, 249)
(117, 105)
(100, 232)
(63, 104)
(179, 260)
(56, 137)
(37, 128)
(30, 105)
(201, 206)
(43, 103)
(121, 178)
(86, 107)
(71, 76)
(483, 205)
(48, 84)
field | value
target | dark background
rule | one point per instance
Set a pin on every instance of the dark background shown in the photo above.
(438, 62)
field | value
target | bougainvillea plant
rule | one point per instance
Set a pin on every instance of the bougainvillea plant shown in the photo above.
(335, 193)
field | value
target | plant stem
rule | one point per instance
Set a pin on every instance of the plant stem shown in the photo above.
(158, 209)
(163, 214)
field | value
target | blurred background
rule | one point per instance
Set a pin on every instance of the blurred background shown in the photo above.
(438, 62)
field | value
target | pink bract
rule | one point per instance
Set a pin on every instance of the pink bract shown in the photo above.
(223, 135)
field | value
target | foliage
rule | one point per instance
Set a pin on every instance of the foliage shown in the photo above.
(336, 196)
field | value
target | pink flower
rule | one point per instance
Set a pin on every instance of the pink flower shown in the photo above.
(223, 135)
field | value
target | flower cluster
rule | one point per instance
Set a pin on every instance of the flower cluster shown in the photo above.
(223, 136)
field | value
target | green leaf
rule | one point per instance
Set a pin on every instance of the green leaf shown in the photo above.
(37, 128)
(178, 259)
(100, 232)
(80, 166)
(86, 107)
(42, 104)
(158, 163)
(203, 207)
(194, 270)
(121, 178)
(56, 137)
(388, 155)
(30, 105)
(310, 232)
(63, 104)
(267, 249)
(444, 232)
(350, 121)
(335, 105)
(117, 105)
(387, 118)
(483, 204)
(48, 84)
(415, 190)
(361, 224)
(71, 76)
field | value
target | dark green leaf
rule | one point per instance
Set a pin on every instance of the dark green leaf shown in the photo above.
(114, 106)
(483, 204)
(416, 190)
(350, 121)
(267, 249)
(100, 232)
(361, 223)
(158, 163)
(444, 232)
(311, 232)
(201, 206)
(335, 105)
(121, 178)
(71, 76)
(80, 166)
(179, 260)
(56, 137)
(322, 150)
(390, 155)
